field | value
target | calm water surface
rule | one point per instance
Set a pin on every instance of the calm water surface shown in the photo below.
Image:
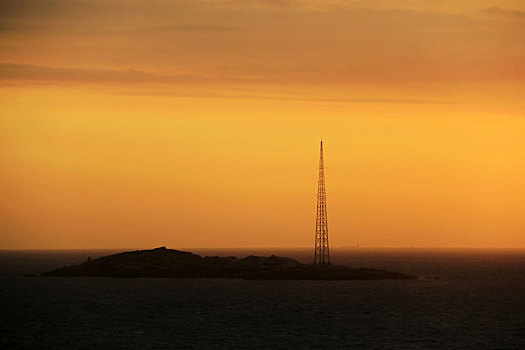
(465, 299)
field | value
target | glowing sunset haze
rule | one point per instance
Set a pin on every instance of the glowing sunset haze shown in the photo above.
(197, 123)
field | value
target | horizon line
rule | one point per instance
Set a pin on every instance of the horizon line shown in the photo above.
(349, 247)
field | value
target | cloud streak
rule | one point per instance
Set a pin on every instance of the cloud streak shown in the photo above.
(498, 11)
(13, 71)
(141, 85)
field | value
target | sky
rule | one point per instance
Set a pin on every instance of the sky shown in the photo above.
(151, 123)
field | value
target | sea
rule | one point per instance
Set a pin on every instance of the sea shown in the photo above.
(463, 299)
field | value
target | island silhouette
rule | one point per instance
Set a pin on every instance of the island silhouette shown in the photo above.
(163, 262)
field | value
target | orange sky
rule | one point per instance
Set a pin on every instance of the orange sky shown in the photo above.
(197, 123)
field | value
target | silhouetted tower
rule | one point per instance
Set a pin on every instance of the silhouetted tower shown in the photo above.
(322, 248)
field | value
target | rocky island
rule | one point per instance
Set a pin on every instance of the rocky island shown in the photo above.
(162, 262)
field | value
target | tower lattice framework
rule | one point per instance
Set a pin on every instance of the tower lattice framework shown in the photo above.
(322, 248)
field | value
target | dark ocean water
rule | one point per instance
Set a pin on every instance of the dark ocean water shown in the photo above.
(477, 302)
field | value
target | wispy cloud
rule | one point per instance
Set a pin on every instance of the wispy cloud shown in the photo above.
(53, 28)
(139, 83)
(12, 71)
(192, 28)
(498, 11)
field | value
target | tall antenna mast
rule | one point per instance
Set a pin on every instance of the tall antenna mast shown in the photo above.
(322, 248)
